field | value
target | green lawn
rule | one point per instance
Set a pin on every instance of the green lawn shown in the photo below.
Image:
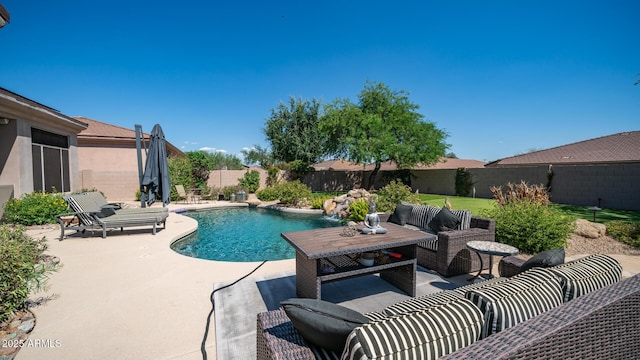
(475, 205)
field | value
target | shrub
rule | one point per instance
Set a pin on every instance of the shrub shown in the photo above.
(293, 193)
(179, 174)
(20, 272)
(267, 194)
(358, 210)
(250, 181)
(536, 194)
(464, 182)
(231, 189)
(35, 208)
(394, 193)
(531, 227)
(626, 232)
(317, 200)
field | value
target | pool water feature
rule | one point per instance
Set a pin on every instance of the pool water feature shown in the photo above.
(246, 234)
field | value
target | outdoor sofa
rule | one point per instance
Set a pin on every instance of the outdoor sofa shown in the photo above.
(446, 251)
(87, 214)
(576, 310)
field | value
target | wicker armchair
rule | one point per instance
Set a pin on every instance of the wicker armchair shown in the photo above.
(452, 256)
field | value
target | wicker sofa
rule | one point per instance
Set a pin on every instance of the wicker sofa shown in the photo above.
(598, 317)
(447, 252)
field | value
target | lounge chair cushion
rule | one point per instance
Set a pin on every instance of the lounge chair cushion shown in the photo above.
(427, 334)
(465, 219)
(509, 303)
(444, 221)
(322, 323)
(544, 259)
(589, 273)
(401, 214)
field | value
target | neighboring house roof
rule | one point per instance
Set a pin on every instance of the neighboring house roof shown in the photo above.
(99, 132)
(617, 148)
(444, 163)
(14, 106)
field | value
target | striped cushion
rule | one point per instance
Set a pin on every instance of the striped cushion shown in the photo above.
(423, 302)
(465, 218)
(431, 244)
(589, 273)
(421, 215)
(524, 296)
(428, 334)
(439, 298)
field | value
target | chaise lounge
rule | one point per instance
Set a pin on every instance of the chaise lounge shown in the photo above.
(87, 215)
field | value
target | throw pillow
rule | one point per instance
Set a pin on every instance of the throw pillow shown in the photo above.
(401, 214)
(106, 211)
(322, 323)
(444, 221)
(544, 259)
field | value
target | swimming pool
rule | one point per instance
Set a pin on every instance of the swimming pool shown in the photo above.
(245, 234)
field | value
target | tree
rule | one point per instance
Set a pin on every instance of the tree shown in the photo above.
(201, 166)
(258, 155)
(384, 125)
(221, 160)
(293, 131)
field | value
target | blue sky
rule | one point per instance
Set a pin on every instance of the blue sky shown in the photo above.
(501, 77)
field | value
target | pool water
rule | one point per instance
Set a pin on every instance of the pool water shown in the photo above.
(245, 234)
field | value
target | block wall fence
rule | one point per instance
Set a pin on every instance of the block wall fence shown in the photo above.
(614, 186)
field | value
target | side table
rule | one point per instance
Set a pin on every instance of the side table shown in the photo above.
(490, 248)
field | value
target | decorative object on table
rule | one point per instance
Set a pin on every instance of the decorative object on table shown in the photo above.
(372, 221)
(349, 230)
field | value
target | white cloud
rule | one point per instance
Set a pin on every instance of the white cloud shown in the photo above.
(210, 149)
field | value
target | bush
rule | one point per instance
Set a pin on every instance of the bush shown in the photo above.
(394, 193)
(20, 272)
(626, 232)
(464, 182)
(358, 210)
(251, 181)
(293, 193)
(531, 227)
(536, 194)
(317, 200)
(34, 209)
(179, 174)
(267, 194)
(231, 189)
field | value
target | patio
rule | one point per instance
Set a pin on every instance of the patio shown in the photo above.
(129, 296)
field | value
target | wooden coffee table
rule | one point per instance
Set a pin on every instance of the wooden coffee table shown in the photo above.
(324, 255)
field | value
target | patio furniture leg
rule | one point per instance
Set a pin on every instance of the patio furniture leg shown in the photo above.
(479, 271)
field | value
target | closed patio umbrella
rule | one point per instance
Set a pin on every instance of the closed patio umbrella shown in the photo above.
(156, 169)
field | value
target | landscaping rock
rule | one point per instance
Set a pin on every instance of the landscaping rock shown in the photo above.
(339, 206)
(589, 229)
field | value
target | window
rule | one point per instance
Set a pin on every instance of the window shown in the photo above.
(50, 155)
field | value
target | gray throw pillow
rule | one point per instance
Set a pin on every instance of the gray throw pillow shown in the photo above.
(444, 221)
(401, 214)
(544, 259)
(322, 323)
(106, 211)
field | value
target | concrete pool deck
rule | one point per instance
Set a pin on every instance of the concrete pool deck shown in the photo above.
(130, 296)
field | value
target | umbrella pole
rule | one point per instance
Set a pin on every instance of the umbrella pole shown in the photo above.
(143, 200)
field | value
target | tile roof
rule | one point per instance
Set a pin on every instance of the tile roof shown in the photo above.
(100, 131)
(616, 148)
